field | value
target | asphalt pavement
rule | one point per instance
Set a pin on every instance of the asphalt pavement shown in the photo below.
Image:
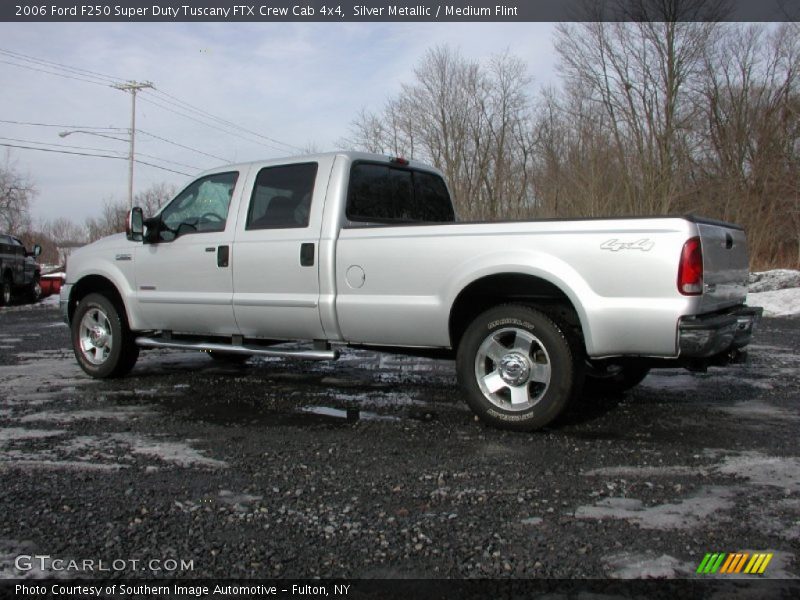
(373, 467)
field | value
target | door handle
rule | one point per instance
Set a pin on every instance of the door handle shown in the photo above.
(223, 256)
(307, 255)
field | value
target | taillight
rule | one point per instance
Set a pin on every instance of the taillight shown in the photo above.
(690, 269)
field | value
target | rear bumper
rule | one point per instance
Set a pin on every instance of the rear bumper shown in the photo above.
(705, 336)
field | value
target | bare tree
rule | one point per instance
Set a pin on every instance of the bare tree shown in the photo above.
(112, 218)
(468, 119)
(16, 193)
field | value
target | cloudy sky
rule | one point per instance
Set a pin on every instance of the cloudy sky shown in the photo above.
(297, 83)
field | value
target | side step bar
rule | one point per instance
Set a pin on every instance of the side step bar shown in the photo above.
(145, 342)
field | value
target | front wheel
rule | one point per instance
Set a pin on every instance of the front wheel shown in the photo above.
(517, 368)
(101, 340)
(35, 291)
(5, 291)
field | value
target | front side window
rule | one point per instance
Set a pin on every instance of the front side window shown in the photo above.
(200, 208)
(282, 197)
(380, 193)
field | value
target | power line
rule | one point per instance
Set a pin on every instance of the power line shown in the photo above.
(171, 162)
(50, 63)
(62, 145)
(92, 155)
(185, 105)
(165, 160)
(114, 129)
(64, 126)
(231, 133)
(96, 78)
(30, 68)
(158, 137)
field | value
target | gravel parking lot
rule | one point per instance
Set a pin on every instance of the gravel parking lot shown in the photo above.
(373, 467)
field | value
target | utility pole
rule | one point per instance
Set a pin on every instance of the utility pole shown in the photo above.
(132, 87)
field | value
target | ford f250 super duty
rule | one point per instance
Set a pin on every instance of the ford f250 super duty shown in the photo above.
(350, 249)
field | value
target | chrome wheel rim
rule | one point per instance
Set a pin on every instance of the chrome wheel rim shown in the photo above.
(6, 293)
(512, 368)
(95, 336)
(37, 290)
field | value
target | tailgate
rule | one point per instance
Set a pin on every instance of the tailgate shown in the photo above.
(725, 265)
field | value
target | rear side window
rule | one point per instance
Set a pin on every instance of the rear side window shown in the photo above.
(384, 194)
(282, 197)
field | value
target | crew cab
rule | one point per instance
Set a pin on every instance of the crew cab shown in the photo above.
(19, 272)
(351, 249)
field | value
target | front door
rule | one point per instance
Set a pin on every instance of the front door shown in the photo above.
(183, 276)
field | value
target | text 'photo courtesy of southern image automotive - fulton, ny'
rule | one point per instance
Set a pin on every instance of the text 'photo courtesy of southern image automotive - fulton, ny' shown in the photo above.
(431, 300)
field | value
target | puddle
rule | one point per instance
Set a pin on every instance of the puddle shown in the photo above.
(350, 414)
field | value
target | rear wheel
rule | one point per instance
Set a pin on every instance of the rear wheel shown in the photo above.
(101, 340)
(517, 368)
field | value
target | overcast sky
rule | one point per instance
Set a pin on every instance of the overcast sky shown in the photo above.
(298, 83)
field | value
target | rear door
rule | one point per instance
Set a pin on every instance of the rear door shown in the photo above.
(276, 251)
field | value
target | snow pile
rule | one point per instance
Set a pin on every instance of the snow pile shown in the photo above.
(778, 291)
(777, 279)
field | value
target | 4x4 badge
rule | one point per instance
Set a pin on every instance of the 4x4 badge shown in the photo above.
(615, 245)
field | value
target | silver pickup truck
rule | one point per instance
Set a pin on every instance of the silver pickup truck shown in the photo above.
(360, 250)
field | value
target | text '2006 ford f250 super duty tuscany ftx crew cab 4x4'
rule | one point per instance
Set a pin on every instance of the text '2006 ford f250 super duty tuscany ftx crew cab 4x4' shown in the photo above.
(364, 250)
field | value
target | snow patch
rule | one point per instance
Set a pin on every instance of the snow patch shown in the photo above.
(14, 434)
(119, 413)
(777, 291)
(777, 303)
(686, 514)
(776, 279)
(631, 471)
(179, 453)
(648, 566)
(759, 469)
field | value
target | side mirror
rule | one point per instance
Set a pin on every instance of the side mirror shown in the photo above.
(37, 250)
(134, 225)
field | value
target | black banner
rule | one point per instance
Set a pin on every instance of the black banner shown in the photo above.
(414, 11)
(402, 589)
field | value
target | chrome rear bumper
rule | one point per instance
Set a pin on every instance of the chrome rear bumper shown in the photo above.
(704, 336)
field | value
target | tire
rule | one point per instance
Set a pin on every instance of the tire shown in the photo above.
(517, 368)
(229, 357)
(6, 288)
(614, 379)
(35, 291)
(101, 340)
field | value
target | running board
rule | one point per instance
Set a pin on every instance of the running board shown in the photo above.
(145, 342)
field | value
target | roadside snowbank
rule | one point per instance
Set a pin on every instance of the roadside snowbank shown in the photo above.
(778, 291)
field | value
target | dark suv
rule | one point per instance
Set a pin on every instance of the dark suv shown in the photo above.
(19, 272)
